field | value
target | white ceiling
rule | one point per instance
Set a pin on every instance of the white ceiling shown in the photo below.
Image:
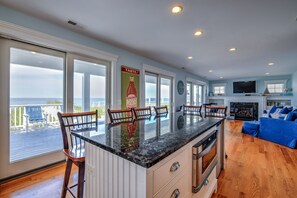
(263, 31)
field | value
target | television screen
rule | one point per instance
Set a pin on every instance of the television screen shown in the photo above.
(244, 87)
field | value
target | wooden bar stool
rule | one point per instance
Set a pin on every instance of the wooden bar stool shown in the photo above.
(74, 147)
(120, 116)
(161, 110)
(142, 113)
(216, 111)
(192, 110)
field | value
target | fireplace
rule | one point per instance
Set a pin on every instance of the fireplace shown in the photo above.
(244, 110)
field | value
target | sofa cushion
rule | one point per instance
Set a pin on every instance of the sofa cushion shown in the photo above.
(251, 128)
(291, 116)
(286, 110)
(279, 131)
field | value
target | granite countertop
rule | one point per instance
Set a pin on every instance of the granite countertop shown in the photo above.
(146, 142)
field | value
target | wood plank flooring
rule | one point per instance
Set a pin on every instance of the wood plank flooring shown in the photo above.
(44, 184)
(254, 168)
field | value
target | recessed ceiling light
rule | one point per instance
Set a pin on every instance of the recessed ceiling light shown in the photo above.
(232, 49)
(270, 64)
(210, 71)
(198, 33)
(190, 57)
(267, 73)
(33, 52)
(177, 9)
(221, 77)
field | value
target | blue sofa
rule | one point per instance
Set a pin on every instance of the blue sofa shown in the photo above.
(279, 131)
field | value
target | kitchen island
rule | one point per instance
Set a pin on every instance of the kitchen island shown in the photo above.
(150, 158)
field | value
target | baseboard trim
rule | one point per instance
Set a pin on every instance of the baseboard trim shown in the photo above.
(14, 177)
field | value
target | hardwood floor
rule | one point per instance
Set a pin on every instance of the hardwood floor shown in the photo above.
(254, 168)
(44, 184)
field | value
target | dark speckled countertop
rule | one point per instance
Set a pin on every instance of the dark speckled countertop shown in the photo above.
(147, 142)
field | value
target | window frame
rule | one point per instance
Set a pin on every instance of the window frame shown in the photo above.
(160, 73)
(284, 82)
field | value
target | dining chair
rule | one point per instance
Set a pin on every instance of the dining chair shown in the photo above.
(73, 147)
(120, 116)
(142, 113)
(161, 110)
(192, 110)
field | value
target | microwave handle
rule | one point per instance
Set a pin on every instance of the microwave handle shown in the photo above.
(207, 150)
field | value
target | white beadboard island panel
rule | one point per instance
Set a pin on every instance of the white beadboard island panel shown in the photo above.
(122, 178)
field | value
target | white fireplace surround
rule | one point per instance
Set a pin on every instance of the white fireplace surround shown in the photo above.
(261, 100)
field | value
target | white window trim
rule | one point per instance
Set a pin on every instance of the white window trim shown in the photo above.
(195, 81)
(276, 82)
(10, 30)
(219, 85)
(156, 70)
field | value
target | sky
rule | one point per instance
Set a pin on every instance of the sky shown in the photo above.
(34, 82)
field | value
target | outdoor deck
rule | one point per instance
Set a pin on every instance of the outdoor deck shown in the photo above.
(36, 141)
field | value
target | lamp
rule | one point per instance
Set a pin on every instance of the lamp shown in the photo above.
(266, 92)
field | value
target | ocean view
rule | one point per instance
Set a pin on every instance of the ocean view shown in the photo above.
(95, 102)
(31, 101)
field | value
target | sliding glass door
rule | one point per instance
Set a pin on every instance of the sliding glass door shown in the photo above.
(35, 84)
(36, 95)
(158, 90)
(32, 88)
(195, 94)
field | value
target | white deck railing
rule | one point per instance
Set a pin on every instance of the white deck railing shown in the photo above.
(17, 112)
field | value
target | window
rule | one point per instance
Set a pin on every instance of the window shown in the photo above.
(275, 87)
(219, 89)
(195, 93)
(189, 93)
(39, 84)
(150, 90)
(88, 96)
(36, 95)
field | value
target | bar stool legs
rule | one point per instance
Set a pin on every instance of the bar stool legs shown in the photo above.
(81, 179)
(66, 178)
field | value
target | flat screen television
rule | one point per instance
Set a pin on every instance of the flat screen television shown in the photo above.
(244, 87)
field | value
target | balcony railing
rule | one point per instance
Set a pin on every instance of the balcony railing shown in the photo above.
(17, 119)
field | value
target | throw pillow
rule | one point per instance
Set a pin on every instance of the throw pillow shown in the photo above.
(274, 108)
(289, 116)
(294, 116)
(286, 110)
(276, 114)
